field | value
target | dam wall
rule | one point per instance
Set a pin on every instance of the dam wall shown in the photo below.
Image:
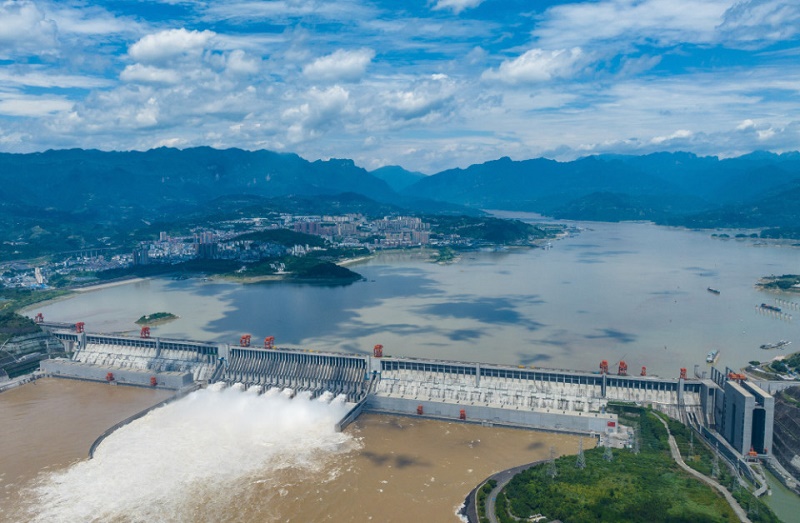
(549, 399)
(63, 368)
(153, 355)
(546, 419)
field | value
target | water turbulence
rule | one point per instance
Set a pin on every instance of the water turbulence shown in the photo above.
(205, 457)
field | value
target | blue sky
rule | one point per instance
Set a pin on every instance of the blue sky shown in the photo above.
(429, 84)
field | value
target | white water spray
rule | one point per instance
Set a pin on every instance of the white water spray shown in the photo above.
(198, 455)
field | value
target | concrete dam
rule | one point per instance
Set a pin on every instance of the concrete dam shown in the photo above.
(547, 399)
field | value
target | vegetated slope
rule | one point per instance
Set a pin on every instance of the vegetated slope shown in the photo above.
(75, 179)
(73, 199)
(397, 177)
(786, 435)
(647, 487)
(537, 185)
(778, 207)
(675, 188)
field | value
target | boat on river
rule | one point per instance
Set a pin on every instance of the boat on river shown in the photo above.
(712, 290)
(713, 356)
(779, 345)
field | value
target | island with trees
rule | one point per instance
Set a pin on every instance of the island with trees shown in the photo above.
(156, 318)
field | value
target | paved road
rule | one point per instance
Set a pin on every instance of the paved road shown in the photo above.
(502, 479)
(676, 455)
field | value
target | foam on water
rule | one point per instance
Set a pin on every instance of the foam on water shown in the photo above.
(200, 452)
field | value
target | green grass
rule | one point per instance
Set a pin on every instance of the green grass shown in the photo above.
(644, 487)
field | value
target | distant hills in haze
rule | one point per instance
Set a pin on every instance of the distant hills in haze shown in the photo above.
(756, 190)
(74, 197)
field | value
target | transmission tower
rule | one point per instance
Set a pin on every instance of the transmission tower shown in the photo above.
(715, 462)
(607, 454)
(552, 471)
(581, 461)
(635, 442)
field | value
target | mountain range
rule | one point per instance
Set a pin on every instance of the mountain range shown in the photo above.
(95, 194)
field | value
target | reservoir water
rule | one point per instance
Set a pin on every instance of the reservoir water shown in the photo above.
(629, 291)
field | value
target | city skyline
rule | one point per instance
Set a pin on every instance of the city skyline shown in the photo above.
(428, 86)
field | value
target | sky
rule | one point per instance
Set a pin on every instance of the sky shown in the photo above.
(425, 84)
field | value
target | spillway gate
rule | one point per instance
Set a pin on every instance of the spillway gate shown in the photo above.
(298, 370)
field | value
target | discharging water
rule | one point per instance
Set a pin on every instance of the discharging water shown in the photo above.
(232, 455)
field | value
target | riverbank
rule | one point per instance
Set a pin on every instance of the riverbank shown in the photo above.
(108, 285)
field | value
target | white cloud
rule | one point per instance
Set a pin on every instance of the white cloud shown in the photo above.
(663, 22)
(456, 5)
(322, 108)
(29, 105)
(41, 78)
(285, 10)
(539, 65)
(172, 43)
(25, 30)
(148, 74)
(761, 20)
(677, 135)
(340, 66)
(427, 99)
(89, 20)
(239, 63)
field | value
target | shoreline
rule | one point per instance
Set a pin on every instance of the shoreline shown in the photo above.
(352, 261)
(100, 286)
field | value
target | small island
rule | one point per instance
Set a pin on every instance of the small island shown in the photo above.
(156, 318)
(784, 283)
(326, 272)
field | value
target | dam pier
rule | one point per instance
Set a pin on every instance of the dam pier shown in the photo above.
(727, 408)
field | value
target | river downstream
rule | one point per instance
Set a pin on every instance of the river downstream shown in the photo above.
(234, 456)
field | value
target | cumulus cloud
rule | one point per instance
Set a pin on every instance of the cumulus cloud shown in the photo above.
(340, 66)
(539, 65)
(456, 6)
(322, 108)
(426, 99)
(239, 63)
(165, 45)
(25, 30)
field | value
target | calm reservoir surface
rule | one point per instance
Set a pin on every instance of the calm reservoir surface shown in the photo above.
(628, 291)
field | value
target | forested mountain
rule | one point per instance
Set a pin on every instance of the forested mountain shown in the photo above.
(72, 199)
(756, 190)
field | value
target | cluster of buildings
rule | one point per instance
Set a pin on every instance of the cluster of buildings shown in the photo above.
(222, 243)
(25, 275)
